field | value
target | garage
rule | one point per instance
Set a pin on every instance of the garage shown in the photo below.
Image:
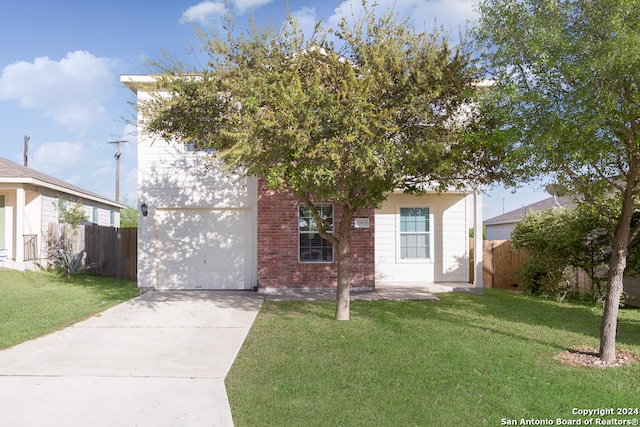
(204, 249)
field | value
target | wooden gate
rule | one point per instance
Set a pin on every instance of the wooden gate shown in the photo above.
(501, 263)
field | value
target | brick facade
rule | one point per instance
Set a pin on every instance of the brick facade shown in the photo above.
(278, 260)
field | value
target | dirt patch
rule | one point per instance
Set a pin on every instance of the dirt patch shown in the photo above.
(588, 357)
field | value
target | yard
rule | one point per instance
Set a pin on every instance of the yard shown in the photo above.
(463, 361)
(36, 303)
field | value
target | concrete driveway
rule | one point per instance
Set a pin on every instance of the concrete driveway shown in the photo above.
(157, 360)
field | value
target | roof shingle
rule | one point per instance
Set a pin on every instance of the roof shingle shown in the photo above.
(17, 173)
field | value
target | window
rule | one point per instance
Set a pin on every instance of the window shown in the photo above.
(194, 147)
(314, 248)
(112, 218)
(414, 233)
(95, 215)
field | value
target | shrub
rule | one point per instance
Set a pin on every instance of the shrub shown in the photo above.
(556, 240)
(69, 264)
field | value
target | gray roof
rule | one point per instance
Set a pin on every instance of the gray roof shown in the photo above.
(517, 214)
(12, 172)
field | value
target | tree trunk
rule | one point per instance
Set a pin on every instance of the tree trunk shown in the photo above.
(609, 324)
(617, 265)
(344, 264)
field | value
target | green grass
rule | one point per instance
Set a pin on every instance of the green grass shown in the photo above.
(33, 304)
(465, 360)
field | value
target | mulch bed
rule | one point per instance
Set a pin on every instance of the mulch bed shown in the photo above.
(588, 357)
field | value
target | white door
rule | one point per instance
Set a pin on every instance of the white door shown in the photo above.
(204, 249)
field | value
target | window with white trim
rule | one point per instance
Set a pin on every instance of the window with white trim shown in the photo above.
(415, 233)
(194, 147)
(312, 247)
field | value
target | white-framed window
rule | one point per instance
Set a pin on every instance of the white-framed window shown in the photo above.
(194, 147)
(94, 215)
(415, 233)
(312, 247)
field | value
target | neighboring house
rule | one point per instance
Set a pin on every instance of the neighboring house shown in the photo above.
(27, 208)
(501, 226)
(204, 228)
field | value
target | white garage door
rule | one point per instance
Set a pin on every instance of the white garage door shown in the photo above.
(204, 249)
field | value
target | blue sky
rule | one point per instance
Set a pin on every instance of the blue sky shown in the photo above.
(60, 67)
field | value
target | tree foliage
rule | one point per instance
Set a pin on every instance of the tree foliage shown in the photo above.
(566, 105)
(346, 115)
(128, 217)
(73, 215)
(557, 240)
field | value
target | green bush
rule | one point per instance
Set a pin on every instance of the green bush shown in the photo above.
(556, 240)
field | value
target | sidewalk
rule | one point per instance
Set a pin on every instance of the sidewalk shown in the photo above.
(381, 293)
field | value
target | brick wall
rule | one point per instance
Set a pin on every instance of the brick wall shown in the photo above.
(278, 265)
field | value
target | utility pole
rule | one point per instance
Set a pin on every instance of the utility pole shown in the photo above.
(26, 150)
(117, 157)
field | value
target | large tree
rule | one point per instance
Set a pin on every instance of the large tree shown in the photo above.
(346, 115)
(566, 105)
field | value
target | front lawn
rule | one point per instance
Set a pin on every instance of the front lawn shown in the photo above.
(465, 360)
(36, 303)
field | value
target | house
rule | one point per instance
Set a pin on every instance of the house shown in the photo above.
(27, 208)
(501, 226)
(201, 227)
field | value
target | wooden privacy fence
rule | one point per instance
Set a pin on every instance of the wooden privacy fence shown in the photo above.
(114, 248)
(501, 263)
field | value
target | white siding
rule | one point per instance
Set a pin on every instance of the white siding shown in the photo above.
(49, 213)
(29, 209)
(500, 231)
(449, 223)
(171, 177)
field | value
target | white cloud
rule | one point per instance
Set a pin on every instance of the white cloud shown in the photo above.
(70, 91)
(306, 18)
(130, 134)
(244, 5)
(202, 12)
(101, 168)
(451, 14)
(54, 157)
(76, 180)
(129, 187)
(205, 11)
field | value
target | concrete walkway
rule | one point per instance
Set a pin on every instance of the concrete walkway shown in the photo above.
(381, 293)
(157, 360)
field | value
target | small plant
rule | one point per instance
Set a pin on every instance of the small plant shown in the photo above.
(69, 264)
(61, 250)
